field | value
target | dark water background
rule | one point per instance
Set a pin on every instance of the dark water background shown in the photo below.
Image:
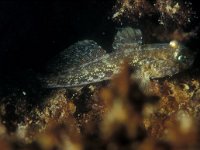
(32, 32)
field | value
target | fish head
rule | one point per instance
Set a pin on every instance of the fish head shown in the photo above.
(182, 55)
(178, 59)
(167, 60)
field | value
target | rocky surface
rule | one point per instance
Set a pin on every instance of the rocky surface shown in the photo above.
(115, 114)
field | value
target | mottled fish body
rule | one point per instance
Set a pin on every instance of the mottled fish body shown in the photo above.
(85, 62)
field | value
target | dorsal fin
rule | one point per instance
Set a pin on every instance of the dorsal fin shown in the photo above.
(127, 36)
(76, 55)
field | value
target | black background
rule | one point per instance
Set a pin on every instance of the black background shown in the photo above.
(32, 32)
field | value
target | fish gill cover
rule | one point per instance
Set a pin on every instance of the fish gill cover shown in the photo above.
(115, 114)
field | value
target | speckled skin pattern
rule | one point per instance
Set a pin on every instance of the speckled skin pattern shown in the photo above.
(148, 61)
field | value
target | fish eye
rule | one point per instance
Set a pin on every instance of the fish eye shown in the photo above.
(182, 58)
